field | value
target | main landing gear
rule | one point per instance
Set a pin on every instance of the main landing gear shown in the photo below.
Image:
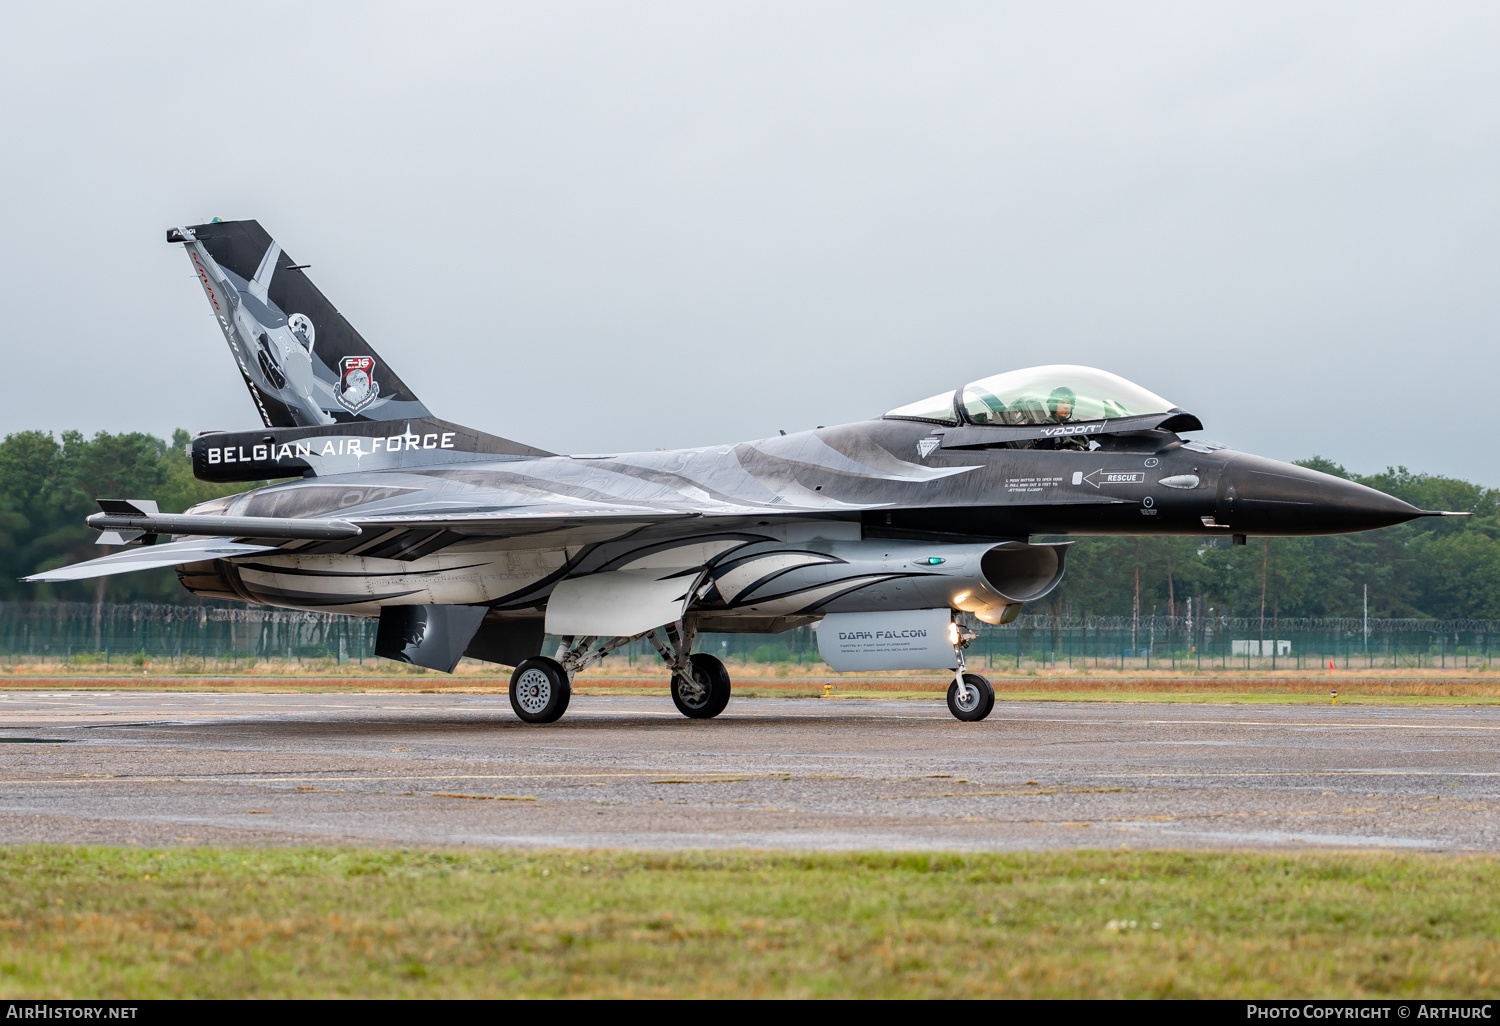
(700, 683)
(540, 688)
(705, 694)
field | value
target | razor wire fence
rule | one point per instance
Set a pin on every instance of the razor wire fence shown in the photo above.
(1239, 643)
(229, 638)
(125, 633)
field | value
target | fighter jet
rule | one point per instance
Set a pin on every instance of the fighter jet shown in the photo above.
(895, 536)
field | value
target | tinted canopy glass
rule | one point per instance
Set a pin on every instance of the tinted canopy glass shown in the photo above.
(938, 408)
(1056, 394)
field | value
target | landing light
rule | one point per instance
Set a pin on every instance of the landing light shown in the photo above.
(960, 597)
(952, 633)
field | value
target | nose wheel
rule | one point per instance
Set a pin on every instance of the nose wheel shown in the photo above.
(707, 693)
(976, 701)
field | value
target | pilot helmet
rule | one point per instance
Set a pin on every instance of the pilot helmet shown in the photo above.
(1059, 397)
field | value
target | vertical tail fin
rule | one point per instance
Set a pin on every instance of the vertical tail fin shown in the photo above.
(304, 364)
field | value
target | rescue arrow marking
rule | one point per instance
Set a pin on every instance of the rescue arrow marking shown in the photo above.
(1114, 477)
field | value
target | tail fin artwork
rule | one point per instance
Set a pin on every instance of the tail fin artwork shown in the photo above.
(304, 364)
(327, 397)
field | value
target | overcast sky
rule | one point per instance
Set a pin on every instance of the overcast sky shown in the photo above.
(596, 227)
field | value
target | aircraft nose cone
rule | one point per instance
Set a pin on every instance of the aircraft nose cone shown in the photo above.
(1261, 496)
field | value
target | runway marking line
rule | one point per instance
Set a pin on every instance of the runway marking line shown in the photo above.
(377, 777)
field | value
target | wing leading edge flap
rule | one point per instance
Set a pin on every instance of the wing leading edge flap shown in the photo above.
(621, 603)
(151, 557)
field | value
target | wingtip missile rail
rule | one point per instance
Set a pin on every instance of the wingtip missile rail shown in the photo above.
(137, 525)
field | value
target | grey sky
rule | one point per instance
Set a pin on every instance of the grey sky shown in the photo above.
(596, 227)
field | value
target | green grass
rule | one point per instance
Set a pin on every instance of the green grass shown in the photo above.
(215, 922)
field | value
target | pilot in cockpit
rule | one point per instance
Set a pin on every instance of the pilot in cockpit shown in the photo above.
(1060, 405)
(1085, 398)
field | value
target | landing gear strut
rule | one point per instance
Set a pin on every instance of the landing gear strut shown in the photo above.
(540, 688)
(970, 696)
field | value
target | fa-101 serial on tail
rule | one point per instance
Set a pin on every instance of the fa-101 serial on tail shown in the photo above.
(893, 535)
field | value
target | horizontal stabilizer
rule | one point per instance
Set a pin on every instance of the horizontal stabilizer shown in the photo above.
(150, 557)
(209, 524)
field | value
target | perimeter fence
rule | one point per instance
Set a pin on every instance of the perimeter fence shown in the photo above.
(229, 638)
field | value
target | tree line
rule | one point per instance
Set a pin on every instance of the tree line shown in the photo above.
(48, 486)
(1435, 567)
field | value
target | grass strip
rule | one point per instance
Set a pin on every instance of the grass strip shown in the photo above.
(78, 922)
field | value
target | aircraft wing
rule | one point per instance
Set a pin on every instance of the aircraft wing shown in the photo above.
(149, 557)
(205, 536)
(133, 518)
(523, 519)
(218, 537)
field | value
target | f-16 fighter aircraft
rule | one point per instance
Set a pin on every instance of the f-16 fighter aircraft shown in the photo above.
(895, 536)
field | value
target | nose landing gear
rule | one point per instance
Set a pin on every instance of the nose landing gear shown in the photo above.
(970, 696)
(976, 700)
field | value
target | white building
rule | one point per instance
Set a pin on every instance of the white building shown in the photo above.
(1260, 648)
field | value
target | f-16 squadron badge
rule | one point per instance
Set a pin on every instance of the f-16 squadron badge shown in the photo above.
(357, 386)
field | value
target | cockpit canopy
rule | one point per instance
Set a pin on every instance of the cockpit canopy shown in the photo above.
(1055, 394)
